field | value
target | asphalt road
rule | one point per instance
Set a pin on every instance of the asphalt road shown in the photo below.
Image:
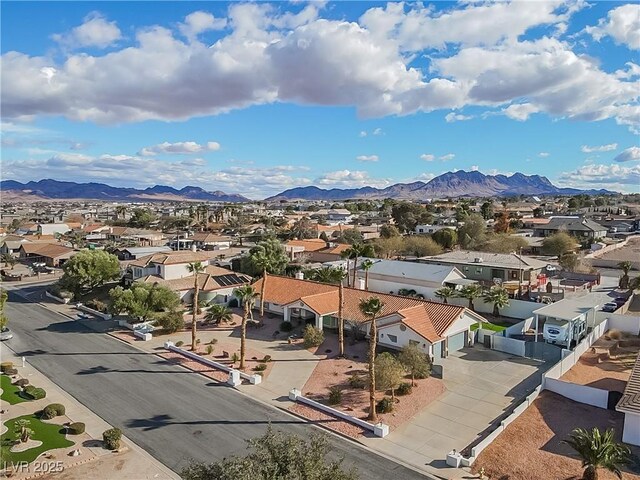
(174, 414)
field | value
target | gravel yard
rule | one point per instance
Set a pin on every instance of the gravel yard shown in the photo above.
(532, 448)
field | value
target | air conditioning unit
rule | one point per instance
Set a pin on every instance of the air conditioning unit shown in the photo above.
(477, 260)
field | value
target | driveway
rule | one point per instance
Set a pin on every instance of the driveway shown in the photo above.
(481, 384)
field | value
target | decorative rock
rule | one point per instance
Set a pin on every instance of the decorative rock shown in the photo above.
(75, 453)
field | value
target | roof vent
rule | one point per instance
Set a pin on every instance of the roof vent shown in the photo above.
(478, 260)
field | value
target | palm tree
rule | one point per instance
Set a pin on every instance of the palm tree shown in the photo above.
(196, 268)
(598, 450)
(246, 295)
(624, 280)
(445, 293)
(354, 252)
(218, 313)
(333, 275)
(9, 260)
(342, 274)
(470, 292)
(120, 210)
(366, 265)
(634, 284)
(371, 308)
(499, 297)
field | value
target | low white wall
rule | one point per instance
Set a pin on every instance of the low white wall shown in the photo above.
(482, 332)
(57, 299)
(253, 379)
(104, 316)
(379, 430)
(631, 429)
(624, 323)
(519, 328)
(579, 393)
(516, 309)
(508, 345)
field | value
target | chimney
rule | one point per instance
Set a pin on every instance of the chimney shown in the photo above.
(193, 247)
(300, 275)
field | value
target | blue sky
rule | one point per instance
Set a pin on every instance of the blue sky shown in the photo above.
(257, 98)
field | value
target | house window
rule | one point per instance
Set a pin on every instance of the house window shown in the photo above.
(514, 275)
(478, 270)
(392, 338)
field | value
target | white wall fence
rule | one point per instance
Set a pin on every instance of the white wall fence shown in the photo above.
(579, 393)
(104, 316)
(624, 323)
(379, 429)
(253, 379)
(57, 299)
(508, 345)
(519, 328)
(609, 248)
(516, 309)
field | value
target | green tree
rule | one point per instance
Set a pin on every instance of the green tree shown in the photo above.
(387, 247)
(141, 218)
(303, 229)
(3, 301)
(415, 361)
(218, 314)
(624, 280)
(195, 268)
(276, 456)
(366, 265)
(268, 256)
(499, 297)
(389, 231)
(569, 261)
(470, 292)
(420, 246)
(445, 237)
(558, 244)
(486, 210)
(407, 215)
(389, 373)
(371, 308)
(350, 236)
(246, 295)
(473, 232)
(502, 243)
(89, 269)
(354, 252)
(333, 275)
(171, 321)
(445, 293)
(143, 301)
(9, 260)
(598, 450)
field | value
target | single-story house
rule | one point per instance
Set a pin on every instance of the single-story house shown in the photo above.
(579, 227)
(629, 404)
(52, 254)
(424, 229)
(315, 249)
(53, 228)
(437, 328)
(133, 253)
(210, 241)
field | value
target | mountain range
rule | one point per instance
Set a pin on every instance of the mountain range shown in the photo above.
(450, 184)
(56, 190)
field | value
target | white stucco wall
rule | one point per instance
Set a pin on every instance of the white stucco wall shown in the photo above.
(171, 272)
(460, 325)
(404, 336)
(631, 431)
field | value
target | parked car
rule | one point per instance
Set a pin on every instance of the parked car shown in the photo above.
(5, 334)
(610, 307)
(620, 301)
(84, 316)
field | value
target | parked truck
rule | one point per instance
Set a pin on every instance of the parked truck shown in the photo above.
(565, 333)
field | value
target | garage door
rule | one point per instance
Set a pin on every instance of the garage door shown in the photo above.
(437, 349)
(457, 341)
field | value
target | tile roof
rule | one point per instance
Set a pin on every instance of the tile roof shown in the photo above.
(573, 224)
(429, 319)
(310, 245)
(171, 258)
(209, 237)
(51, 250)
(630, 401)
(500, 260)
(207, 281)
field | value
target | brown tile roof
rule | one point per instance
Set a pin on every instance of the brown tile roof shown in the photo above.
(171, 258)
(311, 245)
(50, 250)
(630, 401)
(209, 237)
(207, 281)
(429, 319)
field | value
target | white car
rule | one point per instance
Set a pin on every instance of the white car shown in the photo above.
(5, 334)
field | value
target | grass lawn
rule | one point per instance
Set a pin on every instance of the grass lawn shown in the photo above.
(488, 326)
(10, 393)
(51, 436)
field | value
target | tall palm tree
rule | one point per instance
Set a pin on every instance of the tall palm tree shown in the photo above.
(196, 268)
(218, 313)
(246, 295)
(120, 210)
(445, 293)
(470, 292)
(333, 275)
(598, 450)
(354, 252)
(498, 296)
(624, 280)
(342, 274)
(371, 308)
(366, 265)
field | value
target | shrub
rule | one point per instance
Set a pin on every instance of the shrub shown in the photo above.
(266, 359)
(213, 341)
(335, 395)
(404, 388)
(614, 334)
(312, 337)
(96, 304)
(170, 322)
(22, 382)
(58, 407)
(357, 381)
(286, 326)
(11, 371)
(179, 343)
(384, 406)
(5, 366)
(75, 428)
(111, 438)
(34, 393)
(209, 349)
(261, 367)
(197, 341)
(235, 357)
(52, 410)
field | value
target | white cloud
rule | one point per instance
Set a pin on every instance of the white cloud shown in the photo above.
(349, 179)
(447, 157)
(367, 158)
(615, 177)
(362, 133)
(474, 168)
(423, 177)
(629, 155)
(622, 24)
(544, 154)
(198, 22)
(377, 132)
(180, 148)
(428, 157)
(599, 148)
(95, 31)
(520, 111)
(457, 117)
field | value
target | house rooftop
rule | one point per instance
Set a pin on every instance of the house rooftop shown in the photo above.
(572, 308)
(171, 258)
(414, 270)
(500, 260)
(630, 401)
(572, 224)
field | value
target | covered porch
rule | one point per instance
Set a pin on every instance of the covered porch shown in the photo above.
(317, 317)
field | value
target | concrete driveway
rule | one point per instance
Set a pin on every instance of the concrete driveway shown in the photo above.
(481, 384)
